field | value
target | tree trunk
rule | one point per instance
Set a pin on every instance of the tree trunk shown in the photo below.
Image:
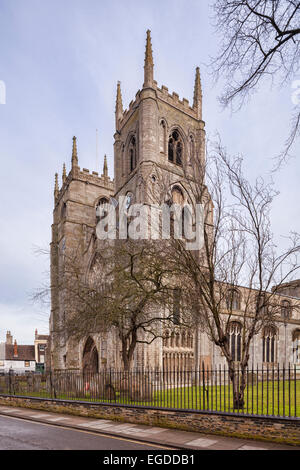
(238, 378)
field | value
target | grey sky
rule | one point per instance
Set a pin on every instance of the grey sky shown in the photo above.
(60, 61)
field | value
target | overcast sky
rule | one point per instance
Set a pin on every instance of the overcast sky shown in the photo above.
(60, 61)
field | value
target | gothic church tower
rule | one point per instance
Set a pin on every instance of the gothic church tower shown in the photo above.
(155, 138)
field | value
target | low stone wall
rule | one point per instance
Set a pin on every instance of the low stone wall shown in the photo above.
(284, 430)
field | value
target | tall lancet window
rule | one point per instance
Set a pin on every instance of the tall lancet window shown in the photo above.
(162, 137)
(234, 337)
(132, 154)
(269, 336)
(175, 148)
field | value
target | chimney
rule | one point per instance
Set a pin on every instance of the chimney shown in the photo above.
(9, 338)
(15, 349)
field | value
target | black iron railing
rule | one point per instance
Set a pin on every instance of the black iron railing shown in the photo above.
(266, 390)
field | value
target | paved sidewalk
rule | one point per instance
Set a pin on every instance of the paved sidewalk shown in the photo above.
(155, 435)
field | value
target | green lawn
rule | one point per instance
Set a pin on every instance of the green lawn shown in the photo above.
(261, 399)
(276, 398)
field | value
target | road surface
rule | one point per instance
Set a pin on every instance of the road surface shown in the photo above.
(19, 434)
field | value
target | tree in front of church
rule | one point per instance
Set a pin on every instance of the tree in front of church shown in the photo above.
(231, 284)
(125, 290)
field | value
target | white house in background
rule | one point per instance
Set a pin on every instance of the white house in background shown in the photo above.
(19, 358)
(40, 345)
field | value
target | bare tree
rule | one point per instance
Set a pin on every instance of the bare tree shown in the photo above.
(231, 278)
(260, 38)
(126, 289)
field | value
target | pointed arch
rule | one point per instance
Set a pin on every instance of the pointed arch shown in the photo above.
(90, 357)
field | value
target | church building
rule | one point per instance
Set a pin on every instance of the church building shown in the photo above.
(153, 136)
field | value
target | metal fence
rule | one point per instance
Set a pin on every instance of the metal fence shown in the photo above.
(271, 391)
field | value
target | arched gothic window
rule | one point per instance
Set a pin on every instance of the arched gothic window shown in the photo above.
(162, 137)
(132, 154)
(175, 148)
(296, 347)
(177, 196)
(269, 336)
(234, 338)
(286, 309)
(102, 209)
(233, 299)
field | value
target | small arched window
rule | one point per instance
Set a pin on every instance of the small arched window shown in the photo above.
(233, 300)
(175, 148)
(235, 340)
(286, 310)
(269, 336)
(296, 346)
(162, 137)
(102, 209)
(132, 154)
(177, 196)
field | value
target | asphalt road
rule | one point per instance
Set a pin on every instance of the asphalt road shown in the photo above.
(19, 434)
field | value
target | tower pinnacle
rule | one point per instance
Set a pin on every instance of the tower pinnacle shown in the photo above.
(119, 106)
(105, 167)
(56, 188)
(197, 104)
(64, 173)
(74, 153)
(148, 67)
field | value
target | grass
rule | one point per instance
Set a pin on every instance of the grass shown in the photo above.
(277, 398)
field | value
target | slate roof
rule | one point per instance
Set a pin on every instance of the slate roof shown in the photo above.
(25, 352)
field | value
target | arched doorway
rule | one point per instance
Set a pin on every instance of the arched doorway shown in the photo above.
(90, 359)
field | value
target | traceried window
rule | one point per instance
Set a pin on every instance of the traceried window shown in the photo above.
(235, 340)
(175, 148)
(132, 154)
(269, 336)
(296, 347)
(233, 299)
(286, 309)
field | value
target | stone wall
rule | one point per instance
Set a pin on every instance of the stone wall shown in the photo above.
(285, 430)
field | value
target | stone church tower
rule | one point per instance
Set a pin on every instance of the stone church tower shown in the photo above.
(154, 137)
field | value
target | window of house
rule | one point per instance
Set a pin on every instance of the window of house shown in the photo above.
(269, 336)
(26, 363)
(235, 340)
(175, 148)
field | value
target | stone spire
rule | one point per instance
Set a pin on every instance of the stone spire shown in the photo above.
(74, 153)
(119, 106)
(148, 67)
(56, 188)
(197, 104)
(105, 168)
(64, 173)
